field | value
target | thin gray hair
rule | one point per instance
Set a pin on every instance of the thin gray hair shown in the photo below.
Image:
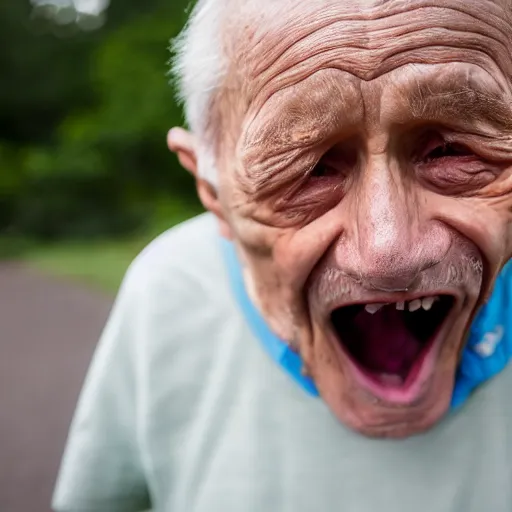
(198, 66)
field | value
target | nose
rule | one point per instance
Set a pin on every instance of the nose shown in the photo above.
(390, 241)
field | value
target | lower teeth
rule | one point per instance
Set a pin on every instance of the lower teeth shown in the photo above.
(391, 379)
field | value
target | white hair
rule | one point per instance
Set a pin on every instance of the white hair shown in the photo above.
(199, 65)
(201, 60)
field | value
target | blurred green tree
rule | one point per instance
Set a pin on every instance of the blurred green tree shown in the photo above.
(83, 121)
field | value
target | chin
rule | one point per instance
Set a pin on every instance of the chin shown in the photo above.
(386, 365)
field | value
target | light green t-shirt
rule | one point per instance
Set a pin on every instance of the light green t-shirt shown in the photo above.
(183, 411)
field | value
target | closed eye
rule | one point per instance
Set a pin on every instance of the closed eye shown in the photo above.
(339, 161)
(447, 150)
(323, 169)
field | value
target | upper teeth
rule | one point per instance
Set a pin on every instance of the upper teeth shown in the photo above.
(425, 303)
(415, 304)
(373, 308)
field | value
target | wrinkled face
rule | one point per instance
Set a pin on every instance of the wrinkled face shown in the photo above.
(369, 192)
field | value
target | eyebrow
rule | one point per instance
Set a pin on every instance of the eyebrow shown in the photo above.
(472, 102)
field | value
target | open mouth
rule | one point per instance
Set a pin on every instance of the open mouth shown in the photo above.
(388, 343)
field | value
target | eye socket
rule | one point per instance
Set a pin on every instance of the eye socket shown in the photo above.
(451, 168)
(337, 162)
(323, 170)
(447, 150)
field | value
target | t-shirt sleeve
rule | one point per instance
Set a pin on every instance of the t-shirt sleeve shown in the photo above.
(102, 468)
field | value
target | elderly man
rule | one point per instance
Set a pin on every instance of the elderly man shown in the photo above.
(349, 285)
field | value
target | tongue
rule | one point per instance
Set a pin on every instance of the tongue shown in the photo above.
(382, 343)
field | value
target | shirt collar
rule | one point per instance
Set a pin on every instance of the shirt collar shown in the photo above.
(278, 350)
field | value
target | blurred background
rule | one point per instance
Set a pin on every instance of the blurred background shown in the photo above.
(85, 103)
(86, 181)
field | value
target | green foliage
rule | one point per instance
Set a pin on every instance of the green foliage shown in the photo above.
(103, 262)
(83, 124)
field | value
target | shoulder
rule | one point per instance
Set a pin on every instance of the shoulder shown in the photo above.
(153, 343)
(185, 257)
(176, 294)
(175, 291)
(191, 245)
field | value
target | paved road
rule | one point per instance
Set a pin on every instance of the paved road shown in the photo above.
(48, 330)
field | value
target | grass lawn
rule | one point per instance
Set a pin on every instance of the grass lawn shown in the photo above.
(100, 264)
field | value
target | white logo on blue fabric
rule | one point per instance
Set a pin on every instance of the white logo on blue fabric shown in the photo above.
(490, 341)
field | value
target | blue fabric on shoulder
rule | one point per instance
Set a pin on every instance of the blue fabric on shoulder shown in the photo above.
(487, 352)
(489, 345)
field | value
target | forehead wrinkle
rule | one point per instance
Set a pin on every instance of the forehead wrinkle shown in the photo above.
(362, 33)
(285, 82)
(459, 95)
(267, 47)
(324, 94)
(344, 49)
(320, 15)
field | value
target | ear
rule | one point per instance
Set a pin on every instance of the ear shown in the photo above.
(183, 143)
